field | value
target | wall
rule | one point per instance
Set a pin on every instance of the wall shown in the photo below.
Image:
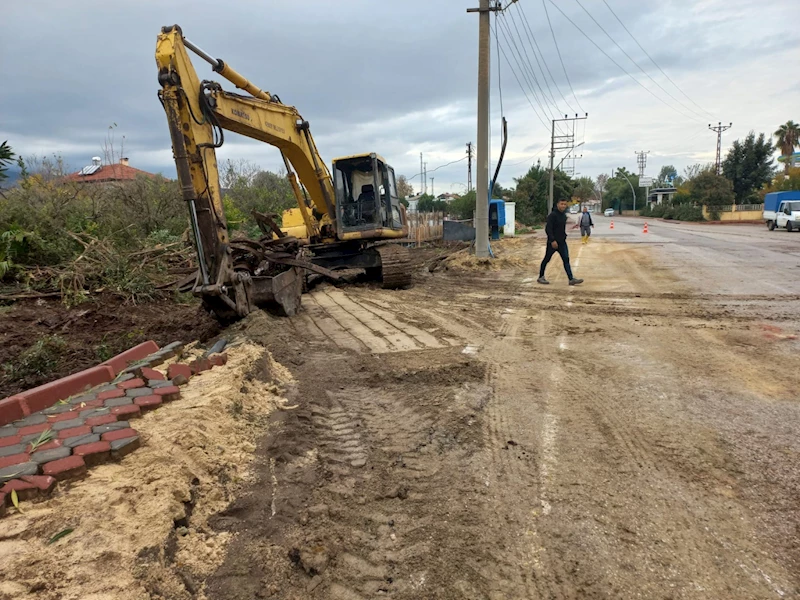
(732, 215)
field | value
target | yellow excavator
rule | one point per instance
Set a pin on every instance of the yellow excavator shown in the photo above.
(347, 221)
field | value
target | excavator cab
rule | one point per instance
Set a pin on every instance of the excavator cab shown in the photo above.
(366, 196)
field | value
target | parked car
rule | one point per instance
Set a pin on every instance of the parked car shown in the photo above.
(609, 212)
(782, 209)
(573, 209)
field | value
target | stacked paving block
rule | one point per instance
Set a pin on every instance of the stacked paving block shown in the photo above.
(66, 436)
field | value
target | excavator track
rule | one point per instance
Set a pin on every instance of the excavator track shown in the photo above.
(395, 266)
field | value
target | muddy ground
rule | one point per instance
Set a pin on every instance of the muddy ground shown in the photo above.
(483, 437)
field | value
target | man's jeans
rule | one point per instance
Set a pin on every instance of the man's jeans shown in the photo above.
(563, 251)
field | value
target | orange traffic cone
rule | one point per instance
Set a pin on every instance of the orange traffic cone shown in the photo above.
(612, 224)
(645, 227)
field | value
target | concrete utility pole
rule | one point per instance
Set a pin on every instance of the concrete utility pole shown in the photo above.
(560, 142)
(421, 185)
(719, 129)
(425, 177)
(432, 192)
(469, 167)
(641, 159)
(482, 195)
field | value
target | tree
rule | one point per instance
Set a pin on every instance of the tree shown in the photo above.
(618, 191)
(533, 189)
(428, 203)
(786, 182)
(749, 166)
(584, 189)
(711, 189)
(404, 189)
(788, 138)
(6, 157)
(693, 171)
(668, 176)
(463, 207)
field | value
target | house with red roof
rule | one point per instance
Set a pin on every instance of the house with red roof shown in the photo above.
(100, 173)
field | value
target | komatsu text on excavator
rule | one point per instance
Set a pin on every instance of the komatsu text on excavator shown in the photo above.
(347, 221)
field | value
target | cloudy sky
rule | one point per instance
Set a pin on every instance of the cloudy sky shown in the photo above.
(400, 78)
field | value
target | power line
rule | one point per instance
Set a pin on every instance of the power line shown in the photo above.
(654, 61)
(638, 66)
(427, 172)
(532, 37)
(559, 53)
(619, 66)
(545, 147)
(509, 40)
(538, 116)
(552, 98)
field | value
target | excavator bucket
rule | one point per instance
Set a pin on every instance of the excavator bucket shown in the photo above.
(280, 293)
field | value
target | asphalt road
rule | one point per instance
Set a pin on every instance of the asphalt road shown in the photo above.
(723, 259)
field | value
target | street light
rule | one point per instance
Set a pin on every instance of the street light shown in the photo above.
(632, 192)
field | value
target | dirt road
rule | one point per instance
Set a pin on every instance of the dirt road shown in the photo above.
(480, 436)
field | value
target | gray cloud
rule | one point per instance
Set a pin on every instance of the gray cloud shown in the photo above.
(398, 78)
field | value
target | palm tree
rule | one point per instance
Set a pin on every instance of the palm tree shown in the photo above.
(788, 137)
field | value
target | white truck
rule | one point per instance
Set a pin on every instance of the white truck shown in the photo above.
(782, 209)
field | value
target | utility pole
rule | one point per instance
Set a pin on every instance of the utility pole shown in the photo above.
(719, 129)
(641, 159)
(432, 192)
(482, 196)
(469, 167)
(420, 174)
(425, 177)
(560, 142)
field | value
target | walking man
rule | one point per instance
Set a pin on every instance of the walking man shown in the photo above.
(586, 225)
(556, 230)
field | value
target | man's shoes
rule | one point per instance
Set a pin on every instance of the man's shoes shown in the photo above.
(574, 281)
(542, 280)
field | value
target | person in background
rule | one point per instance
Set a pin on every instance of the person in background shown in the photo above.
(586, 225)
(556, 229)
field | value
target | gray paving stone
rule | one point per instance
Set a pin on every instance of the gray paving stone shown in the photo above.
(14, 471)
(120, 448)
(30, 437)
(175, 347)
(139, 392)
(155, 384)
(95, 412)
(12, 450)
(101, 429)
(45, 456)
(35, 419)
(7, 430)
(57, 409)
(106, 387)
(82, 398)
(125, 376)
(80, 440)
(77, 422)
(112, 402)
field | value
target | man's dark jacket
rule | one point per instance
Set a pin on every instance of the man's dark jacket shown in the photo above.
(556, 227)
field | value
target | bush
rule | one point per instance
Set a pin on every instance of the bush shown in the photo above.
(679, 212)
(39, 360)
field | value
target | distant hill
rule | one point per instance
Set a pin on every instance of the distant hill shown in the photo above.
(12, 175)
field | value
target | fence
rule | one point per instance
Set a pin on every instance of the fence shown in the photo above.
(735, 212)
(425, 227)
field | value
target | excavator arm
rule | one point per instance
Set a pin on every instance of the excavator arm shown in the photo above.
(198, 112)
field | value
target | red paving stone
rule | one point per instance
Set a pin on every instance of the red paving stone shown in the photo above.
(148, 402)
(43, 482)
(16, 459)
(103, 396)
(170, 393)
(149, 375)
(62, 417)
(95, 453)
(101, 420)
(25, 490)
(119, 434)
(96, 403)
(11, 440)
(47, 446)
(129, 411)
(3, 508)
(30, 429)
(74, 431)
(200, 365)
(219, 360)
(179, 369)
(131, 383)
(65, 468)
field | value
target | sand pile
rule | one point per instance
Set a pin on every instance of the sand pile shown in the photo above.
(140, 526)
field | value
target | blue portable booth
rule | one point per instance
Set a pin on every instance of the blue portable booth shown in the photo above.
(497, 217)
